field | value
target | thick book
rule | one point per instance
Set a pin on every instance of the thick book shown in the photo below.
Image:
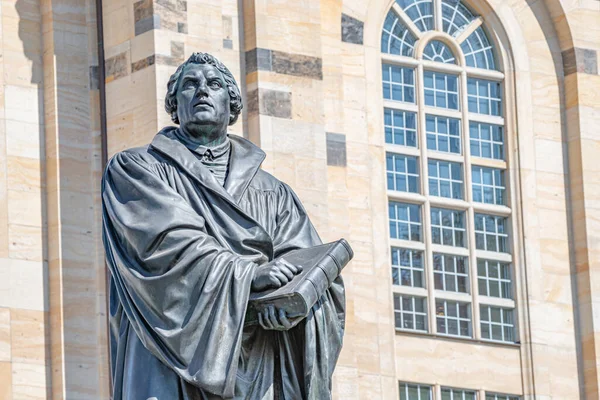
(321, 265)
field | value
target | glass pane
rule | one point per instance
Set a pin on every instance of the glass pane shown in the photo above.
(453, 327)
(494, 288)
(496, 332)
(406, 277)
(420, 323)
(417, 279)
(484, 312)
(495, 314)
(413, 392)
(439, 281)
(485, 331)
(464, 328)
(419, 305)
(398, 320)
(482, 287)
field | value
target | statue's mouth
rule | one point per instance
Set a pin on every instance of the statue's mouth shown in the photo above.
(202, 103)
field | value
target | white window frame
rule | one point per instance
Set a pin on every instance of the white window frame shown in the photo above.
(458, 394)
(403, 128)
(502, 323)
(495, 186)
(436, 135)
(478, 97)
(454, 275)
(438, 179)
(394, 173)
(401, 84)
(454, 228)
(418, 386)
(456, 305)
(434, 90)
(487, 278)
(411, 268)
(498, 236)
(499, 396)
(413, 313)
(479, 141)
(409, 221)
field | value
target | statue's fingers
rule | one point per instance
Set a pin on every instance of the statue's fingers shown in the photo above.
(261, 321)
(287, 272)
(272, 317)
(283, 319)
(266, 320)
(281, 277)
(295, 269)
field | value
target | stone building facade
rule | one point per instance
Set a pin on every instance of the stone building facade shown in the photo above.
(313, 73)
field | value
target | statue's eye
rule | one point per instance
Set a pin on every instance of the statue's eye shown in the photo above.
(188, 84)
(215, 84)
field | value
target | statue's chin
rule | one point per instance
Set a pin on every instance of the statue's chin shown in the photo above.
(203, 127)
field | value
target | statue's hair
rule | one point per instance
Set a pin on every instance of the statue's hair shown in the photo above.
(235, 103)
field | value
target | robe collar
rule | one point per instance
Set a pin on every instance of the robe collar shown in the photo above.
(244, 162)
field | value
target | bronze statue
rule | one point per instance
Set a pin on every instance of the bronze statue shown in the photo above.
(192, 226)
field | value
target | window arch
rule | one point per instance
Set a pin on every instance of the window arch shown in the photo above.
(447, 173)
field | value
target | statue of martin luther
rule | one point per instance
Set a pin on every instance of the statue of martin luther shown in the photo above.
(192, 226)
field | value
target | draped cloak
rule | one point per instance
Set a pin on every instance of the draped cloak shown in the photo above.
(182, 251)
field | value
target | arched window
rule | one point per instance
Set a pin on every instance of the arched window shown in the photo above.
(447, 173)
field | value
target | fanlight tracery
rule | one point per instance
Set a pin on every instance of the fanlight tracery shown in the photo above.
(438, 51)
(399, 39)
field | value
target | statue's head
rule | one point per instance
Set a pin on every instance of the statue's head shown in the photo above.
(202, 95)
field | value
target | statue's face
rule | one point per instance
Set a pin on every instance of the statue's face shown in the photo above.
(202, 100)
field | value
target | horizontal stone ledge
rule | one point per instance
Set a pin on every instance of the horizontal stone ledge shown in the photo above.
(280, 62)
(158, 59)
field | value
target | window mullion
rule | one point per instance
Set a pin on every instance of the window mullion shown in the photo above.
(428, 254)
(466, 143)
(437, 15)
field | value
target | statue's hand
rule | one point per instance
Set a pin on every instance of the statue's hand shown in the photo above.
(276, 320)
(274, 274)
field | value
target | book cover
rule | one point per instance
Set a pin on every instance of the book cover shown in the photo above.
(321, 265)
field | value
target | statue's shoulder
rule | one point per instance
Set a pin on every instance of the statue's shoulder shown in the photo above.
(142, 155)
(265, 181)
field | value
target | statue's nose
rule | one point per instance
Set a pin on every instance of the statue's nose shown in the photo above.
(202, 90)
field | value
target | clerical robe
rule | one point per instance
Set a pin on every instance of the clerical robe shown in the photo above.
(182, 251)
